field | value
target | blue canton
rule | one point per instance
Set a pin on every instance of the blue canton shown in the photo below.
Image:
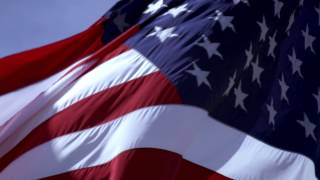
(253, 65)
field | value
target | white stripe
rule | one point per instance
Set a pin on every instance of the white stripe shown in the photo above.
(125, 67)
(186, 130)
(14, 101)
(32, 115)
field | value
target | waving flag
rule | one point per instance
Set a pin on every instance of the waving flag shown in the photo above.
(169, 89)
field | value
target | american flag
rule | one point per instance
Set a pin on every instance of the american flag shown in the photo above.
(169, 89)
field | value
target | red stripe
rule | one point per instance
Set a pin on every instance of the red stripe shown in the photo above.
(144, 164)
(100, 57)
(110, 50)
(107, 105)
(117, 51)
(28, 67)
(103, 54)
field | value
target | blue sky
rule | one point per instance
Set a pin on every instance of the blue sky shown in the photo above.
(32, 23)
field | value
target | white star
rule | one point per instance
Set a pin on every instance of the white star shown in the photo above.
(231, 84)
(201, 76)
(308, 39)
(224, 21)
(284, 89)
(236, 1)
(153, 8)
(249, 56)
(291, 21)
(308, 126)
(240, 97)
(272, 45)
(318, 11)
(211, 48)
(256, 74)
(296, 63)
(163, 34)
(317, 97)
(175, 12)
(243, 1)
(264, 29)
(277, 7)
(120, 22)
(301, 2)
(272, 113)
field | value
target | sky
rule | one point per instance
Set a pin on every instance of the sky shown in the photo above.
(32, 23)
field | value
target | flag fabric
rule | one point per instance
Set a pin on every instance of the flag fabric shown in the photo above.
(169, 89)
